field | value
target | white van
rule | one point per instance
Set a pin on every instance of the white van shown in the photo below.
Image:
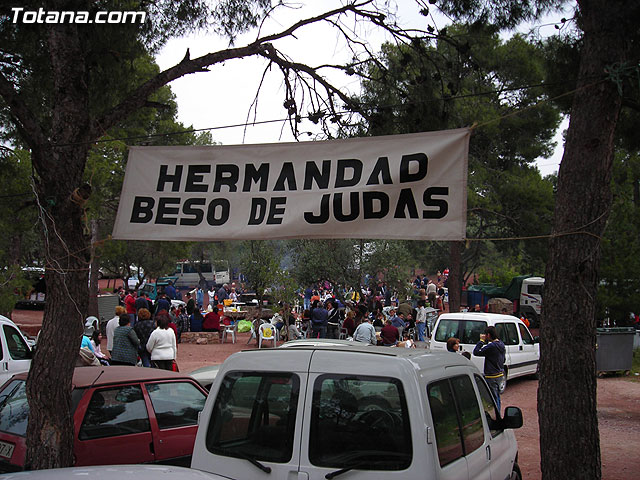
(16, 355)
(187, 273)
(522, 350)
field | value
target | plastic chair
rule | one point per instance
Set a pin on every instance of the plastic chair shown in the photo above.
(412, 334)
(230, 329)
(266, 332)
(344, 334)
(254, 333)
(273, 321)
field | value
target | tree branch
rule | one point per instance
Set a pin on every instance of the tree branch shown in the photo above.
(25, 120)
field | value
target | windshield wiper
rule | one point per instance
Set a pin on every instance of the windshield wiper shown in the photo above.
(361, 463)
(244, 456)
(331, 475)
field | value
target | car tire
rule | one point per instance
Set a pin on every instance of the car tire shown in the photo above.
(503, 382)
(516, 474)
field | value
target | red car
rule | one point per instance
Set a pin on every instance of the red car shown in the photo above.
(121, 415)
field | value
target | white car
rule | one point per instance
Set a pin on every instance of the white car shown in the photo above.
(120, 472)
(522, 349)
(205, 375)
(358, 412)
(16, 354)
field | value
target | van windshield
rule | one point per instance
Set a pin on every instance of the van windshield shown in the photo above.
(468, 331)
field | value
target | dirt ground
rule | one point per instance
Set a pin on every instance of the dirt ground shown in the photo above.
(618, 407)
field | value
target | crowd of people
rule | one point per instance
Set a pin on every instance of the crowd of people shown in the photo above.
(373, 314)
(145, 332)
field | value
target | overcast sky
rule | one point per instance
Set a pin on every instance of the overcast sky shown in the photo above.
(224, 96)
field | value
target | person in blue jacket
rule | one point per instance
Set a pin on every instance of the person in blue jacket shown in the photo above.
(493, 350)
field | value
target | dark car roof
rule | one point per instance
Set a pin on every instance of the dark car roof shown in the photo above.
(87, 376)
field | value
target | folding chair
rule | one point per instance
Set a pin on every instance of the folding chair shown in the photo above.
(266, 332)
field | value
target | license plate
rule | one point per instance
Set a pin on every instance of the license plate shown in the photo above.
(6, 449)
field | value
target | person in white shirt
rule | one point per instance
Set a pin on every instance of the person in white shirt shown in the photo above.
(421, 320)
(365, 332)
(112, 325)
(212, 297)
(162, 344)
(432, 293)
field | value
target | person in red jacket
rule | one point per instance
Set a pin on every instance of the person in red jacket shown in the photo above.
(389, 334)
(130, 305)
(211, 322)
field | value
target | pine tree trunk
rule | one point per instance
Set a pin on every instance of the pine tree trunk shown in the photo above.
(50, 428)
(59, 160)
(569, 438)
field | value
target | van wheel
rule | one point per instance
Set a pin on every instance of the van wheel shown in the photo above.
(516, 474)
(502, 386)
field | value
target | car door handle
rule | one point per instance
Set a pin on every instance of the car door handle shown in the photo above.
(521, 347)
(488, 453)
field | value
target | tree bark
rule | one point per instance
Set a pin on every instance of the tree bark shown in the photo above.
(567, 390)
(59, 160)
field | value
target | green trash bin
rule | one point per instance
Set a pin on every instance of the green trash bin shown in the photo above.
(614, 349)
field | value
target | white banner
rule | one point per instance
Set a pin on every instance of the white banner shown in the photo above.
(404, 187)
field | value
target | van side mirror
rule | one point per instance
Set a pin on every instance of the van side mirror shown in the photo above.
(512, 418)
(536, 339)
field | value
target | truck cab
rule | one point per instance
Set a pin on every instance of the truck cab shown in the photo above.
(530, 302)
(317, 412)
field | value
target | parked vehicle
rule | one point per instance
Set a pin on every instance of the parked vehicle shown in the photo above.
(522, 349)
(115, 472)
(524, 291)
(187, 275)
(366, 412)
(35, 297)
(206, 375)
(317, 412)
(16, 353)
(157, 288)
(121, 415)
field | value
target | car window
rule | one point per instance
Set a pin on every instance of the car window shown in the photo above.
(189, 268)
(176, 404)
(115, 411)
(445, 422)
(468, 331)
(527, 339)
(18, 348)
(508, 333)
(359, 421)
(470, 420)
(14, 410)
(255, 414)
(488, 405)
(456, 418)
